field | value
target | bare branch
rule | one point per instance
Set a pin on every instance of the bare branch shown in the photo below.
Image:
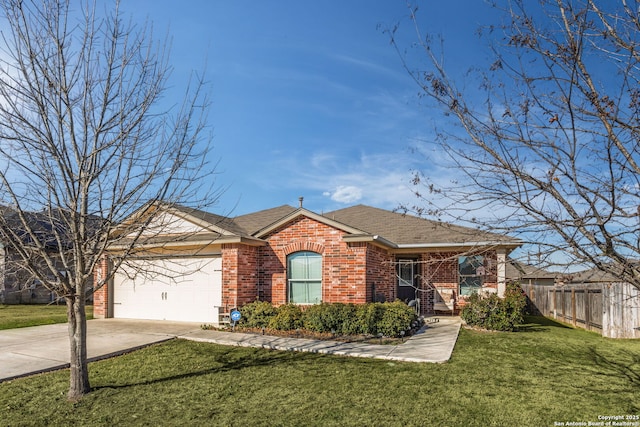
(546, 146)
(85, 142)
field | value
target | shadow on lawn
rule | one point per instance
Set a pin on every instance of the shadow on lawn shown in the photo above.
(616, 368)
(540, 324)
(227, 361)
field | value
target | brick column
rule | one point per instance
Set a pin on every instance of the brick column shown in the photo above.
(101, 296)
(239, 275)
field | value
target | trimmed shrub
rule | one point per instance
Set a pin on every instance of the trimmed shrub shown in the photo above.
(337, 318)
(516, 299)
(288, 317)
(397, 318)
(257, 314)
(314, 318)
(481, 311)
(368, 316)
(495, 313)
(388, 319)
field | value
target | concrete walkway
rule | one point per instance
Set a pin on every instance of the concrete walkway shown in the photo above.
(433, 344)
(27, 351)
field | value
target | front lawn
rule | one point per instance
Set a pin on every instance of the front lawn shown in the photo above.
(22, 315)
(546, 374)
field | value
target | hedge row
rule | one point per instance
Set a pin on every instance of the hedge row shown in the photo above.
(495, 313)
(387, 319)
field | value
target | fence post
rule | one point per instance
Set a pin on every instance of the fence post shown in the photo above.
(587, 309)
(573, 306)
(532, 298)
(605, 311)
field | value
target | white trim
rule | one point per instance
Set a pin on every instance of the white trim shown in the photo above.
(501, 259)
(406, 261)
(385, 242)
(174, 244)
(458, 245)
(311, 215)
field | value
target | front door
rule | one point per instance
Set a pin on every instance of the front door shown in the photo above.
(407, 276)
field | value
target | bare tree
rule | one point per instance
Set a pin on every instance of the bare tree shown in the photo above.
(544, 140)
(84, 143)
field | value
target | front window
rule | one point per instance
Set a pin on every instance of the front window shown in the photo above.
(304, 274)
(406, 272)
(471, 274)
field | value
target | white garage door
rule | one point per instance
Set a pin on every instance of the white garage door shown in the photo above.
(182, 289)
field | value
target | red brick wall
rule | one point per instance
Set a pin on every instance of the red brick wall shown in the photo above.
(427, 292)
(380, 275)
(351, 273)
(440, 270)
(343, 266)
(269, 271)
(101, 294)
(491, 264)
(239, 275)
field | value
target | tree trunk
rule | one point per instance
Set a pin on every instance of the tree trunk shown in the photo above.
(79, 381)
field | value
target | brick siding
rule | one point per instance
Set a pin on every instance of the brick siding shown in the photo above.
(101, 293)
(380, 275)
(239, 275)
(440, 271)
(351, 272)
(345, 272)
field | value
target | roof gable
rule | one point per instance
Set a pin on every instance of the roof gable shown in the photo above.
(301, 212)
(209, 221)
(175, 219)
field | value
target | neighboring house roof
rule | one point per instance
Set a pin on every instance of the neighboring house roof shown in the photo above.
(517, 270)
(360, 224)
(47, 229)
(592, 275)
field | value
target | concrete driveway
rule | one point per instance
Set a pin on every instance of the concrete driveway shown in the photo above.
(27, 351)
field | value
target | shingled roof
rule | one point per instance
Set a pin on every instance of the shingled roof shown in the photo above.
(517, 270)
(359, 223)
(403, 229)
(254, 222)
(392, 227)
(225, 223)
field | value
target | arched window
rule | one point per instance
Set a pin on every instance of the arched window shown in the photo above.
(304, 278)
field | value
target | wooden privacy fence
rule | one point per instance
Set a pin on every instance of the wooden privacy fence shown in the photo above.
(613, 309)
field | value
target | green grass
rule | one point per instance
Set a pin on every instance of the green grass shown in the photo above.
(20, 316)
(547, 373)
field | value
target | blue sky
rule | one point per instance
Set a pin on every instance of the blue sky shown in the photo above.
(309, 98)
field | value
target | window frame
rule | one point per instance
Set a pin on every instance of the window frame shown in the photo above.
(466, 280)
(404, 262)
(306, 281)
